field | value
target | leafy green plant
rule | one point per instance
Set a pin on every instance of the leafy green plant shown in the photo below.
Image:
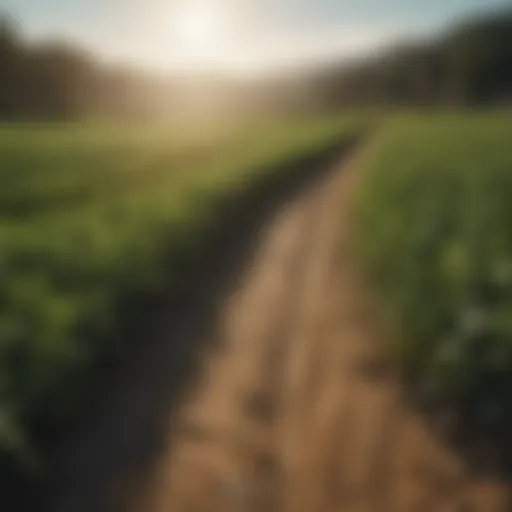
(433, 231)
(91, 215)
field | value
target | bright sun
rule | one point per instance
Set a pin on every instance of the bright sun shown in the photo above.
(199, 32)
(199, 26)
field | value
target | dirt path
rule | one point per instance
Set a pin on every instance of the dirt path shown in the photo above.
(297, 409)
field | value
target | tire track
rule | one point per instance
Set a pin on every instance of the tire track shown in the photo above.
(227, 432)
(299, 410)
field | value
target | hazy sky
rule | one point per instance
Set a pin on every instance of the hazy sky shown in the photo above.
(235, 33)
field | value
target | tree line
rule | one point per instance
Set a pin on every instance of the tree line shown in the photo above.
(469, 65)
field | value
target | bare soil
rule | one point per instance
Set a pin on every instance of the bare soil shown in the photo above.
(297, 408)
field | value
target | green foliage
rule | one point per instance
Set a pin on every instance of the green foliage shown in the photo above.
(434, 232)
(91, 215)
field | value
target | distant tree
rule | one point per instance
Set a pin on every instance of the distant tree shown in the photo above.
(472, 64)
(479, 59)
(11, 57)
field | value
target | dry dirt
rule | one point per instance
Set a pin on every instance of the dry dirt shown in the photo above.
(297, 408)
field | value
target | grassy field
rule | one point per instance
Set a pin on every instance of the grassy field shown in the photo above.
(91, 215)
(434, 232)
(94, 215)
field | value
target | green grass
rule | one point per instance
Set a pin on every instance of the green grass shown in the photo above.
(93, 214)
(435, 235)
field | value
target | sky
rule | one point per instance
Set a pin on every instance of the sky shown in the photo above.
(236, 34)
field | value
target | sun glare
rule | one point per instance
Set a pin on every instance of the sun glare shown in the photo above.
(199, 33)
(199, 26)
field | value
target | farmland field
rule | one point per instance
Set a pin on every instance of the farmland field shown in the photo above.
(96, 216)
(434, 233)
(91, 215)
